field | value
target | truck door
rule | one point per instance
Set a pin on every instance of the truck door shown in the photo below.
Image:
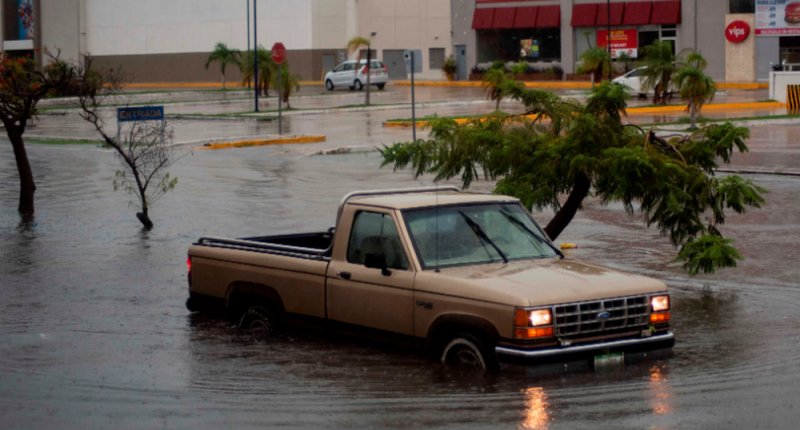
(366, 296)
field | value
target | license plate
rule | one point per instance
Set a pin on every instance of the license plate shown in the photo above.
(609, 360)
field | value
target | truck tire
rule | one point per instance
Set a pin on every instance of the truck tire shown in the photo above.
(329, 85)
(358, 85)
(468, 350)
(258, 318)
(380, 86)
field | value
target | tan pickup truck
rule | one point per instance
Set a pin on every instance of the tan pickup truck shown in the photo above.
(472, 277)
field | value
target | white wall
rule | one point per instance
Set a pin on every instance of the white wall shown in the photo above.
(124, 27)
(407, 24)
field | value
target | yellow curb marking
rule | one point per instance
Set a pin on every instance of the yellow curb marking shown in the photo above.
(262, 142)
(556, 84)
(198, 84)
(632, 111)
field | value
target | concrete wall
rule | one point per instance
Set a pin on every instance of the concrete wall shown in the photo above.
(461, 12)
(407, 24)
(60, 27)
(334, 22)
(778, 81)
(741, 57)
(709, 23)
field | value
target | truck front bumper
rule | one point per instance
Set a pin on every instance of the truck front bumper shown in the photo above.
(585, 351)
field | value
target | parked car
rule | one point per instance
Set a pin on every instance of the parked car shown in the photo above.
(345, 74)
(471, 277)
(633, 80)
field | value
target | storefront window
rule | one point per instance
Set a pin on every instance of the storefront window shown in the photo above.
(532, 45)
(790, 51)
(742, 6)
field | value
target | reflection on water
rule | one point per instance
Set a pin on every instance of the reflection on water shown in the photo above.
(536, 412)
(661, 395)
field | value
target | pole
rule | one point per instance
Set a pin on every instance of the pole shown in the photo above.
(413, 110)
(248, 33)
(255, 51)
(608, 42)
(280, 99)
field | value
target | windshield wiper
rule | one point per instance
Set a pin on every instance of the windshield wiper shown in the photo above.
(482, 235)
(522, 225)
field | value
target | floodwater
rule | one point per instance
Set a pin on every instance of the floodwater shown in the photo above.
(94, 332)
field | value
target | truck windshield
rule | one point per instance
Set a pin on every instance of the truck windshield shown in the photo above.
(509, 228)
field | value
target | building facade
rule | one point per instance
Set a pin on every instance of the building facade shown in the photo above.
(169, 40)
(557, 32)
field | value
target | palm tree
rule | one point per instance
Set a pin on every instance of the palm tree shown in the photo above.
(659, 63)
(354, 45)
(597, 62)
(266, 68)
(694, 85)
(497, 83)
(225, 56)
(289, 83)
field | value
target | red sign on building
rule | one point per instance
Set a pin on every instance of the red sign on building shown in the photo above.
(737, 31)
(622, 41)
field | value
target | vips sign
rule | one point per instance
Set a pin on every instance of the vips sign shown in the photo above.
(737, 31)
(622, 41)
(777, 17)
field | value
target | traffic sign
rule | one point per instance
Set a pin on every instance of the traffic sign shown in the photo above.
(278, 53)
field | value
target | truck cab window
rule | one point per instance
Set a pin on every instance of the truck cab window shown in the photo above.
(375, 232)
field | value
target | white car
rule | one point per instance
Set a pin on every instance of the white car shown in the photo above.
(345, 74)
(632, 79)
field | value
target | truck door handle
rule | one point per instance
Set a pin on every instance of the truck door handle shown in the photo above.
(344, 275)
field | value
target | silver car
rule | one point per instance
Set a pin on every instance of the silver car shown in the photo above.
(345, 74)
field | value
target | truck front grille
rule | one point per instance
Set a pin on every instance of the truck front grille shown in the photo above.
(580, 318)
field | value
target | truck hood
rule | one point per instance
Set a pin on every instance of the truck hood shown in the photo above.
(549, 282)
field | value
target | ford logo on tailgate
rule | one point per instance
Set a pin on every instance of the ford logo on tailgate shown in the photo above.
(603, 316)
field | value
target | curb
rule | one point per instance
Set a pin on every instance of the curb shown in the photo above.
(197, 84)
(263, 142)
(634, 111)
(562, 84)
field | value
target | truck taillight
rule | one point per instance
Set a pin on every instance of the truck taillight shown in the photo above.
(385, 69)
(189, 270)
(364, 70)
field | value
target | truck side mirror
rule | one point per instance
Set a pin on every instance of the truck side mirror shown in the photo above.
(376, 260)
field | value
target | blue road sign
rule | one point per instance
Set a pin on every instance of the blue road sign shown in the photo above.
(148, 113)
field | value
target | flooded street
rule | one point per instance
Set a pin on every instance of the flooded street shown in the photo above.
(94, 332)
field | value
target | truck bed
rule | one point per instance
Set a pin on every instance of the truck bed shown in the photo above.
(305, 245)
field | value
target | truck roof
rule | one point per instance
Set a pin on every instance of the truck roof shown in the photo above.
(428, 199)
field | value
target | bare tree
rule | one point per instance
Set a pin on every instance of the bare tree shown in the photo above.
(144, 150)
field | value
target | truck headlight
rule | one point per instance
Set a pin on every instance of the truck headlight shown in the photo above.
(659, 303)
(525, 318)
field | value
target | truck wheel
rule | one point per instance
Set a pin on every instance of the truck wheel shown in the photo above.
(468, 350)
(357, 85)
(329, 85)
(258, 318)
(380, 86)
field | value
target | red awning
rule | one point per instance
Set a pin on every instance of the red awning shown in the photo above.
(584, 15)
(548, 16)
(666, 12)
(637, 13)
(617, 9)
(504, 17)
(483, 18)
(526, 17)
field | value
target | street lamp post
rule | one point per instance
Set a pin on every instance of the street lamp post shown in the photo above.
(255, 51)
(608, 42)
(248, 33)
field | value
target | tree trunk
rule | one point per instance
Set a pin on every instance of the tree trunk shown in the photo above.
(693, 113)
(497, 105)
(144, 219)
(369, 72)
(562, 219)
(592, 75)
(27, 187)
(223, 81)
